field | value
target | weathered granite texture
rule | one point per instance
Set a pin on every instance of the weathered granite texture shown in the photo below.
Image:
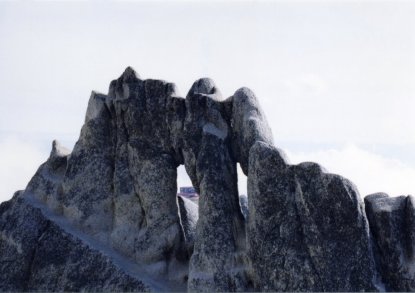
(392, 222)
(189, 214)
(248, 126)
(39, 254)
(43, 184)
(307, 229)
(219, 240)
(105, 217)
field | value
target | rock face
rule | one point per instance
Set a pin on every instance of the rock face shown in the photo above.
(307, 229)
(219, 241)
(105, 217)
(249, 125)
(392, 221)
(40, 252)
(120, 180)
(189, 214)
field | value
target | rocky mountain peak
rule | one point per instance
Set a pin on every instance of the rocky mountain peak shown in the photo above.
(106, 216)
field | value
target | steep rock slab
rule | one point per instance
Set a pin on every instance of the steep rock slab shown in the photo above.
(392, 223)
(143, 147)
(217, 260)
(128, 214)
(87, 185)
(37, 253)
(307, 229)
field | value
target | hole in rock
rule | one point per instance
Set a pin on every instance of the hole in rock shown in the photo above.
(242, 182)
(184, 185)
(243, 191)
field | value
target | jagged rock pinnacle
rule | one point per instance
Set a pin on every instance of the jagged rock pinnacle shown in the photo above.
(129, 75)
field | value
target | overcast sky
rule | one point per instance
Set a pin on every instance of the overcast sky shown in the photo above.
(336, 79)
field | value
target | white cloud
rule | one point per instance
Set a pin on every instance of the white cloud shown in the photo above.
(19, 162)
(314, 84)
(369, 171)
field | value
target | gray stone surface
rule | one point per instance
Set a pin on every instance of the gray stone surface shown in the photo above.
(45, 184)
(189, 215)
(217, 260)
(119, 183)
(392, 222)
(38, 253)
(106, 216)
(144, 150)
(307, 229)
(249, 125)
(87, 184)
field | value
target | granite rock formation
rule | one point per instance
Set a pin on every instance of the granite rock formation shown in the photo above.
(392, 222)
(41, 251)
(307, 228)
(106, 217)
